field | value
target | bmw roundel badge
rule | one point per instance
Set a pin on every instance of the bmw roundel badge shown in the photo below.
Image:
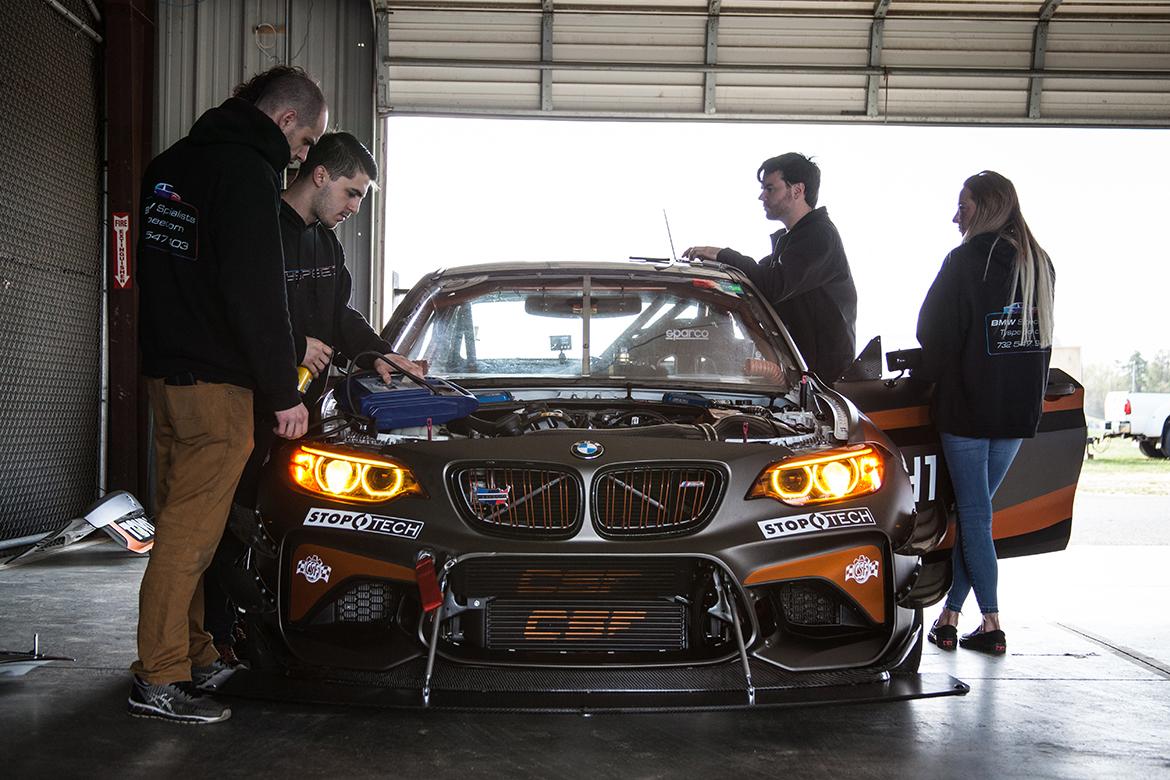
(587, 450)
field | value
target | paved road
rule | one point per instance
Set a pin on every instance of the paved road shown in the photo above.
(1100, 519)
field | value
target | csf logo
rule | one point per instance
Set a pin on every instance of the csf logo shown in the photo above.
(861, 570)
(364, 522)
(544, 625)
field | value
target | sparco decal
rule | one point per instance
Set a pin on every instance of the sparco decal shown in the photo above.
(861, 570)
(817, 521)
(687, 334)
(314, 569)
(363, 521)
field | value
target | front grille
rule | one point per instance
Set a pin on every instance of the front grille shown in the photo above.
(652, 500)
(519, 500)
(583, 626)
(367, 602)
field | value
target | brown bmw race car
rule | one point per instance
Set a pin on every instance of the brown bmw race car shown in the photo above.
(625, 491)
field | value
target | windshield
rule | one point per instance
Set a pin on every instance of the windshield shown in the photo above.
(687, 330)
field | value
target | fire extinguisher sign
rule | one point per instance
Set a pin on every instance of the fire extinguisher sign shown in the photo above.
(121, 250)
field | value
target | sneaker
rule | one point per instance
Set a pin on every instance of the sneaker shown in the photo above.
(178, 701)
(208, 676)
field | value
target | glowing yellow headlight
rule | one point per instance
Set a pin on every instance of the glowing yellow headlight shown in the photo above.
(349, 477)
(832, 476)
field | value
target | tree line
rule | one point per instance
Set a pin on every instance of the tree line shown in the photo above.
(1135, 374)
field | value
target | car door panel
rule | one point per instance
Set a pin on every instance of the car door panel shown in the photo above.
(1033, 507)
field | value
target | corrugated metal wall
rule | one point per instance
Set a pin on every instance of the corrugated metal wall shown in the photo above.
(936, 60)
(206, 49)
(50, 268)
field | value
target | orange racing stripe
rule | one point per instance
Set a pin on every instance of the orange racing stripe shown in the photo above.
(905, 417)
(833, 567)
(1064, 403)
(342, 566)
(916, 416)
(1026, 517)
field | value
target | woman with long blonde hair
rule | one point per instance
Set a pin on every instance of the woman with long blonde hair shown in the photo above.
(986, 334)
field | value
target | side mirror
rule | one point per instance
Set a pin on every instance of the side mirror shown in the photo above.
(904, 359)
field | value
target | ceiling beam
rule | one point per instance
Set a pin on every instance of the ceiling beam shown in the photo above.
(1039, 51)
(546, 54)
(383, 104)
(1159, 74)
(1142, 10)
(876, 33)
(712, 54)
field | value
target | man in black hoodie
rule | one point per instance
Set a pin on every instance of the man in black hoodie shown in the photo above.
(332, 182)
(214, 330)
(806, 278)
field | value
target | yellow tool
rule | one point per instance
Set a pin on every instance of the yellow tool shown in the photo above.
(304, 379)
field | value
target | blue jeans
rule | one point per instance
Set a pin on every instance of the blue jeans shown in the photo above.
(977, 467)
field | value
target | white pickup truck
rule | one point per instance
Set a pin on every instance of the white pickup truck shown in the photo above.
(1141, 416)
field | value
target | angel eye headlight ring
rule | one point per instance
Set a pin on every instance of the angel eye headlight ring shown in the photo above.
(345, 476)
(836, 475)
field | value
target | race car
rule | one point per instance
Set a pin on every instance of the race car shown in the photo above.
(619, 486)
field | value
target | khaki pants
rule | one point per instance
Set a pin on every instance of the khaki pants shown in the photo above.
(202, 438)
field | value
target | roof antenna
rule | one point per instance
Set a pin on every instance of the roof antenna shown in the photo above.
(668, 236)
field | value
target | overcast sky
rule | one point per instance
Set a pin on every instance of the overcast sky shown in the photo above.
(464, 191)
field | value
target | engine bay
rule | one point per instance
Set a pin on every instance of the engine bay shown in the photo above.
(804, 417)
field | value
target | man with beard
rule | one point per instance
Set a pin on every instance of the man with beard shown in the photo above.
(334, 179)
(806, 278)
(214, 332)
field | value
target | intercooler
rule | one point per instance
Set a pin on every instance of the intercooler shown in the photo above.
(643, 609)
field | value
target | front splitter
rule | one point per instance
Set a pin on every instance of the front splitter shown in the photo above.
(588, 690)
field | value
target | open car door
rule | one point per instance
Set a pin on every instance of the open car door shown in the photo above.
(1033, 507)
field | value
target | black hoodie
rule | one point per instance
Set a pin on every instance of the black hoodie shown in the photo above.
(990, 381)
(210, 266)
(318, 294)
(808, 282)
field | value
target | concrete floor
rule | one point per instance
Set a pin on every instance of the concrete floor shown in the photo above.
(1083, 692)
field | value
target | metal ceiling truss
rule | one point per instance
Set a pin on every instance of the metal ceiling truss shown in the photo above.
(876, 32)
(644, 56)
(546, 55)
(1039, 49)
(711, 56)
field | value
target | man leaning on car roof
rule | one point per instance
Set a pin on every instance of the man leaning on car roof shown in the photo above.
(806, 278)
(214, 328)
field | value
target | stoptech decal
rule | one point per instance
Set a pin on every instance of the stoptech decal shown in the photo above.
(817, 521)
(363, 521)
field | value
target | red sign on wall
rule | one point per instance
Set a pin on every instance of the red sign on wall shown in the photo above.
(121, 250)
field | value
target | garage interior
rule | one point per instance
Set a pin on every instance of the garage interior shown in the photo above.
(95, 89)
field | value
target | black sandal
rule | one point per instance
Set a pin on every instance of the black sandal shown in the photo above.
(946, 637)
(991, 642)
